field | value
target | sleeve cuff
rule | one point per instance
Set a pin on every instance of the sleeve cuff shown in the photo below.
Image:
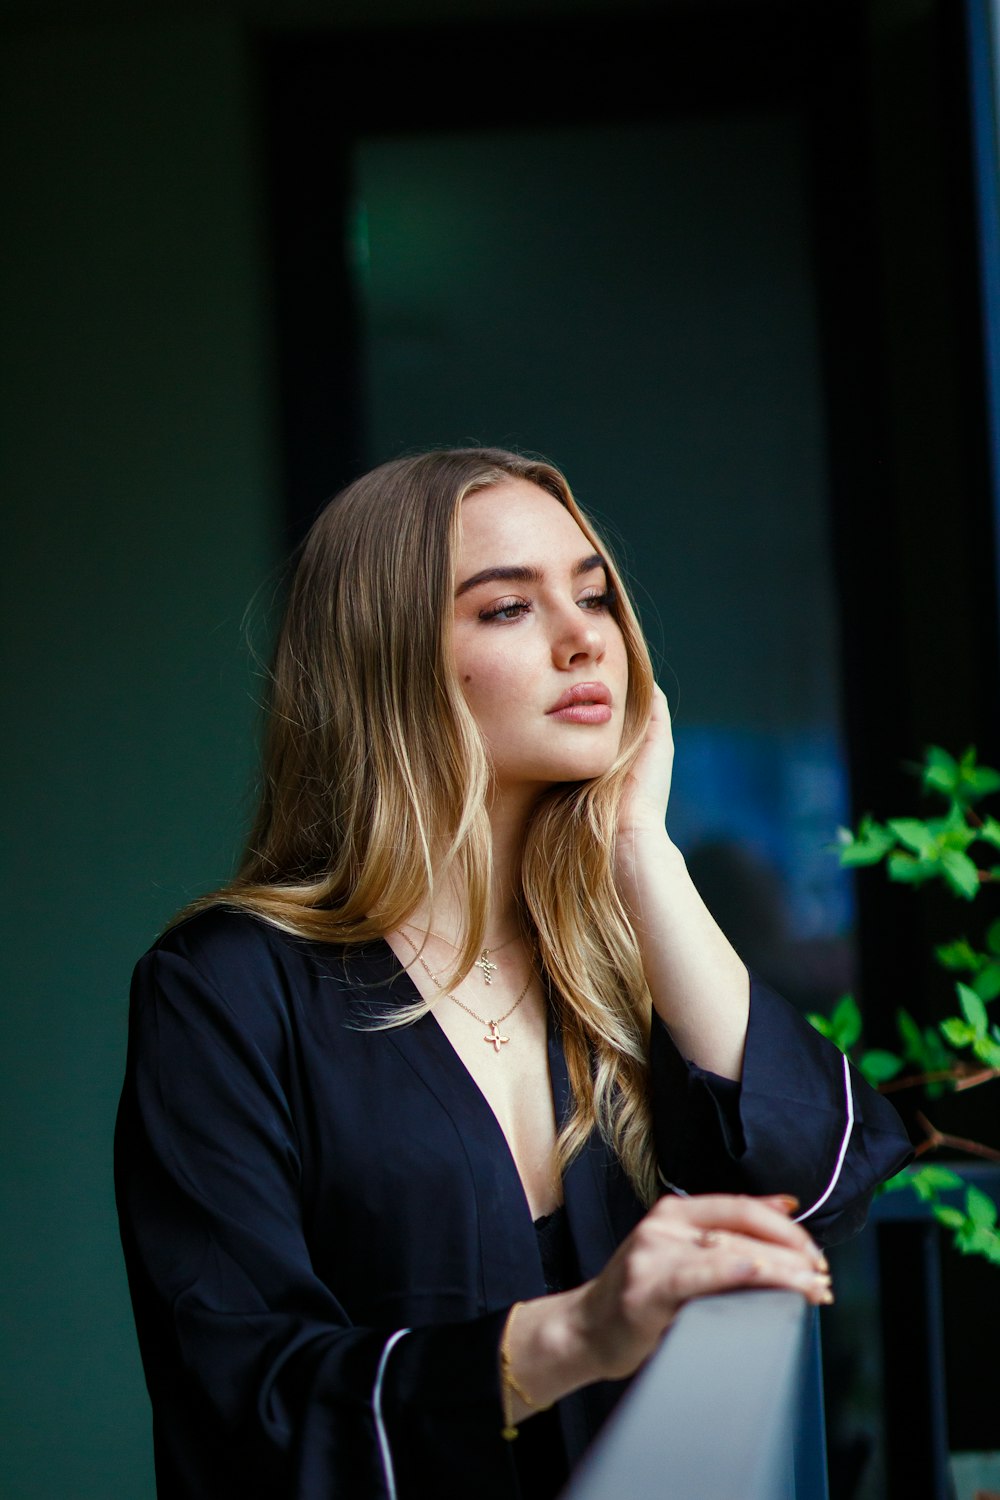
(793, 1131)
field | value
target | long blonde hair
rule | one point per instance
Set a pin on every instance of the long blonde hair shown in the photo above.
(375, 780)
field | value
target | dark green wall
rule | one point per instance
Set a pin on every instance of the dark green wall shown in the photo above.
(137, 475)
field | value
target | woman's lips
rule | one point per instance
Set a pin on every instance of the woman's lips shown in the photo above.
(583, 703)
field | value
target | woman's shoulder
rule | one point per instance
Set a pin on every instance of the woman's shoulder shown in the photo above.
(221, 940)
(237, 959)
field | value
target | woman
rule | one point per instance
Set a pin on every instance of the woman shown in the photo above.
(401, 1099)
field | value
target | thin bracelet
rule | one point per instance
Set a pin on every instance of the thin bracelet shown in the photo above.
(509, 1382)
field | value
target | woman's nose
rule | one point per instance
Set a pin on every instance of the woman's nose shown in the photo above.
(581, 639)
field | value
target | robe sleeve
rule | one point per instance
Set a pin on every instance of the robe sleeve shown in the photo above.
(260, 1382)
(801, 1121)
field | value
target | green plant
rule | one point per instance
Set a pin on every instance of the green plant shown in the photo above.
(961, 849)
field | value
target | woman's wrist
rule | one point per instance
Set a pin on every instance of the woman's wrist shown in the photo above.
(644, 851)
(546, 1353)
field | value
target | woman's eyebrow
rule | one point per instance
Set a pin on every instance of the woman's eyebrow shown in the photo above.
(519, 574)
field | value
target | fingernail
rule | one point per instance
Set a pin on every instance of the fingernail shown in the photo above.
(784, 1201)
(822, 1261)
(811, 1278)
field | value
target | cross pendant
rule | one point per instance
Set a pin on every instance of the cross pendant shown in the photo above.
(495, 1040)
(487, 965)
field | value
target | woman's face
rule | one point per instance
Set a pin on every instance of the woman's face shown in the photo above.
(538, 651)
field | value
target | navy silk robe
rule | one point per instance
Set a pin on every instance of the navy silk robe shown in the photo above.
(295, 1188)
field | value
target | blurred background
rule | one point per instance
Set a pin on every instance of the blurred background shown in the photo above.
(732, 266)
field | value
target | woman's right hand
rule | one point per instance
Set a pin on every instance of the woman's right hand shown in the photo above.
(683, 1248)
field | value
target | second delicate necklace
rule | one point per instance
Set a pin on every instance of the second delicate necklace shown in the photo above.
(493, 1038)
(484, 962)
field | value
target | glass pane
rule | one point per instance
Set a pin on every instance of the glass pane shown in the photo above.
(636, 303)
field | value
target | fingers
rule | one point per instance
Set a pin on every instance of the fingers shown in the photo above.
(659, 724)
(765, 1219)
(728, 1262)
(645, 802)
(730, 1241)
(660, 709)
(693, 1247)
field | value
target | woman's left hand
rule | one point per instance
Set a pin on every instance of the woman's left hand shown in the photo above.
(644, 805)
(698, 984)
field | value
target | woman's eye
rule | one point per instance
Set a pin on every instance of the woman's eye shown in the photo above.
(598, 601)
(504, 609)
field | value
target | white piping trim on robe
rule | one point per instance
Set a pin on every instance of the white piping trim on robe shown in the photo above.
(671, 1187)
(843, 1147)
(849, 1096)
(383, 1440)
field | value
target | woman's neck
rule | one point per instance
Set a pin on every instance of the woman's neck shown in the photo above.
(503, 916)
(507, 825)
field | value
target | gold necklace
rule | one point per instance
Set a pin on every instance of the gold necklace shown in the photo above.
(494, 1038)
(484, 963)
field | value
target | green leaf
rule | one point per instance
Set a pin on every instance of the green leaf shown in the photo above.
(941, 1179)
(913, 1040)
(987, 982)
(846, 1023)
(877, 1066)
(959, 955)
(973, 1009)
(987, 1051)
(909, 871)
(957, 1032)
(993, 935)
(981, 1209)
(952, 1218)
(952, 832)
(820, 1023)
(859, 855)
(990, 832)
(982, 781)
(974, 781)
(926, 1182)
(899, 1181)
(936, 1052)
(941, 772)
(868, 847)
(961, 873)
(924, 1049)
(915, 835)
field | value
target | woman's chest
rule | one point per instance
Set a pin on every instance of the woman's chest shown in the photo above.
(510, 1068)
(410, 1192)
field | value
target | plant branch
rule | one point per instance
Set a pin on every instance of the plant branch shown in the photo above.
(961, 1074)
(972, 1080)
(937, 1138)
(917, 1080)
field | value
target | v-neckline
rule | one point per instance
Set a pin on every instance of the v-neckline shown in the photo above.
(444, 1049)
(509, 1258)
